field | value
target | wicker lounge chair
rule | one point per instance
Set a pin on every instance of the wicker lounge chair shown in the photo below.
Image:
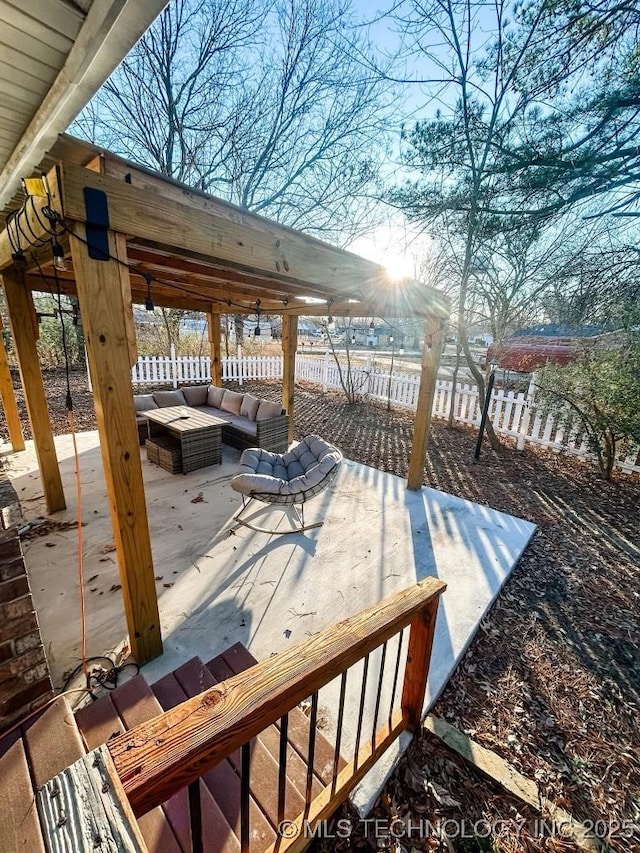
(287, 479)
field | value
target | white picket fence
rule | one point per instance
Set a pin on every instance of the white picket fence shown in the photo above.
(513, 415)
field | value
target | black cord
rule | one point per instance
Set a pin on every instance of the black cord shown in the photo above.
(106, 678)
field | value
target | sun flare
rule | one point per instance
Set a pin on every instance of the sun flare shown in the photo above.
(398, 267)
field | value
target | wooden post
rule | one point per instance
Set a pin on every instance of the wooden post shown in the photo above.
(418, 660)
(289, 346)
(434, 331)
(104, 308)
(8, 396)
(213, 324)
(24, 327)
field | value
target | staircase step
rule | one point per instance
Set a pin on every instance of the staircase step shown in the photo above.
(53, 742)
(19, 824)
(222, 781)
(100, 721)
(237, 659)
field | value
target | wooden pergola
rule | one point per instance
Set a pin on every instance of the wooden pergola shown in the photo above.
(127, 233)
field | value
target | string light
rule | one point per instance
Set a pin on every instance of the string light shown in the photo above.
(256, 331)
(58, 256)
(148, 302)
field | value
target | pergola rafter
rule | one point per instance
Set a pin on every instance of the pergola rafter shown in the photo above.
(192, 251)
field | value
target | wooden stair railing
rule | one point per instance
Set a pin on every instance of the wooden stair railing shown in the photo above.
(148, 764)
(171, 751)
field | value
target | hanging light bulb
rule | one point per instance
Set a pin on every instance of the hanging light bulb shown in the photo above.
(148, 302)
(256, 331)
(58, 257)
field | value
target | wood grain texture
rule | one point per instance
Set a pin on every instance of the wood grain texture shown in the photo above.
(125, 286)
(289, 346)
(189, 223)
(103, 311)
(172, 750)
(417, 666)
(19, 824)
(84, 810)
(22, 317)
(32, 227)
(215, 340)
(9, 404)
(434, 333)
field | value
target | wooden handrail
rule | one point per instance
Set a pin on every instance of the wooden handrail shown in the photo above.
(167, 753)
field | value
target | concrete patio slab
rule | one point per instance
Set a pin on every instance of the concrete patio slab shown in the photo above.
(219, 584)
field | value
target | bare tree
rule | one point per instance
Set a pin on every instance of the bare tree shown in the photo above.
(265, 104)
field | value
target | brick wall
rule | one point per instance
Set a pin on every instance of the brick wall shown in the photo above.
(24, 675)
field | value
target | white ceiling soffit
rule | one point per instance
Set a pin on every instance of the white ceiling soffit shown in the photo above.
(54, 56)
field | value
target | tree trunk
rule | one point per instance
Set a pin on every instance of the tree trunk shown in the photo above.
(454, 383)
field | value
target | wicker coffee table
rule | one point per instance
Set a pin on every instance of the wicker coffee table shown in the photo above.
(188, 439)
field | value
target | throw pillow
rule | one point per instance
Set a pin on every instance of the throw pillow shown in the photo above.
(249, 407)
(169, 398)
(266, 409)
(196, 395)
(214, 396)
(231, 402)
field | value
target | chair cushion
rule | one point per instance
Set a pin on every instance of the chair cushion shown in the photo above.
(267, 409)
(214, 396)
(231, 402)
(249, 407)
(195, 395)
(144, 402)
(169, 398)
(290, 477)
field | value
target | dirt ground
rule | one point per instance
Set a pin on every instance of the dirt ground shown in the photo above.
(552, 680)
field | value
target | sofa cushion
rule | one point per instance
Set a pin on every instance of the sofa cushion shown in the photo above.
(231, 402)
(249, 407)
(244, 425)
(216, 413)
(196, 395)
(214, 396)
(169, 398)
(144, 402)
(267, 409)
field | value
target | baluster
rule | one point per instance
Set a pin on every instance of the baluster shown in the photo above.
(379, 695)
(282, 767)
(396, 674)
(313, 722)
(244, 797)
(195, 817)
(363, 696)
(336, 757)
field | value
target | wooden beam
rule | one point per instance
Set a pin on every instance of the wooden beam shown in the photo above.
(212, 230)
(84, 808)
(24, 327)
(500, 771)
(434, 332)
(170, 751)
(9, 405)
(103, 307)
(289, 346)
(213, 325)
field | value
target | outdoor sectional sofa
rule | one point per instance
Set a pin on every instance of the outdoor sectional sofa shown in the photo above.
(250, 422)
